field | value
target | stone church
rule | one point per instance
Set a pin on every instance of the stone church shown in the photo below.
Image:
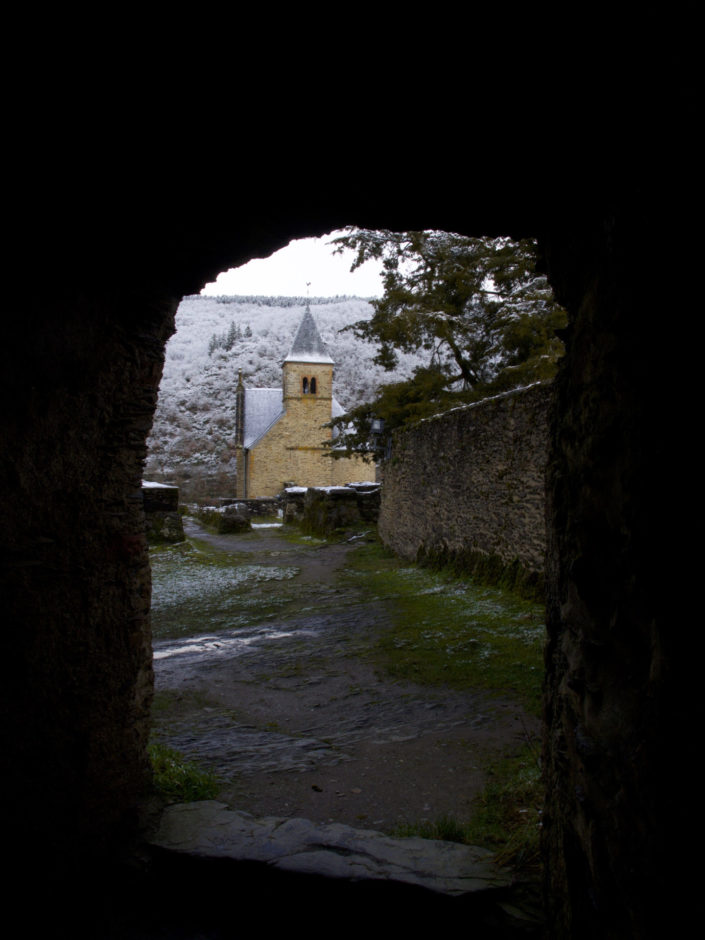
(280, 433)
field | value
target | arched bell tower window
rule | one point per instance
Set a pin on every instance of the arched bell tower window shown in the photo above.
(313, 386)
(305, 386)
(308, 386)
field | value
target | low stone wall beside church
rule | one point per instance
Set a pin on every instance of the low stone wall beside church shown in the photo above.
(321, 510)
(161, 513)
(467, 488)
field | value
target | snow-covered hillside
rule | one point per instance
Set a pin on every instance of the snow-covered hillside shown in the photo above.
(192, 438)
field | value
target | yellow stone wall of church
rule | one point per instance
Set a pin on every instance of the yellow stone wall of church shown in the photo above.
(351, 470)
(291, 452)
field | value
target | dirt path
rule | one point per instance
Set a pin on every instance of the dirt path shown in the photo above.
(296, 722)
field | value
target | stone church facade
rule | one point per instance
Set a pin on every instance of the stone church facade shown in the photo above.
(280, 435)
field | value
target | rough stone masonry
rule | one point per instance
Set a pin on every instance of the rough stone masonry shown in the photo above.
(468, 486)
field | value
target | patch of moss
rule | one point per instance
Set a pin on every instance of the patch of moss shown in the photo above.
(453, 631)
(488, 569)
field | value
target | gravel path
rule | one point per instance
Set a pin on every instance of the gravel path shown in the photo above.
(296, 722)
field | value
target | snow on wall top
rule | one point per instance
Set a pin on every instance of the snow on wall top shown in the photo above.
(308, 345)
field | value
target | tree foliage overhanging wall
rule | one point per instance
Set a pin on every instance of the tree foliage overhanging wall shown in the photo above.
(477, 308)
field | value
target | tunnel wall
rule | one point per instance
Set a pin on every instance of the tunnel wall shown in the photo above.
(619, 679)
(77, 679)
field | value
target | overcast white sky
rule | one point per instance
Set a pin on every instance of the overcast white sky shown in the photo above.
(286, 272)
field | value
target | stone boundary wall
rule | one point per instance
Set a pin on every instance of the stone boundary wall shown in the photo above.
(256, 506)
(223, 519)
(323, 510)
(467, 488)
(161, 513)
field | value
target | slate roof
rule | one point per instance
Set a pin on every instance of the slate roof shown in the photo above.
(262, 408)
(335, 412)
(336, 409)
(308, 345)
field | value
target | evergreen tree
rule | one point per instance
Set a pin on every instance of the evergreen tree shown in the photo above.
(477, 306)
(232, 336)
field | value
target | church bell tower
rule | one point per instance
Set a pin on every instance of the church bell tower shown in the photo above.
(308, 383)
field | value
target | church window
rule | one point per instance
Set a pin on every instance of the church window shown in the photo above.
(305, 386)
(313, 386)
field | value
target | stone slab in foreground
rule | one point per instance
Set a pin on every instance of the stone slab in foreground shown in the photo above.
(209, 829)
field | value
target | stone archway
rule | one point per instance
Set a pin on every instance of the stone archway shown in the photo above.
(80, 374)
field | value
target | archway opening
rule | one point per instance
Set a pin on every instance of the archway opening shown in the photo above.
(231, 325)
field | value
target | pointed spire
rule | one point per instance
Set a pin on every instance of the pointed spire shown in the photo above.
(308, 345)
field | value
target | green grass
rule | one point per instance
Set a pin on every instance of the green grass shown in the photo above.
(372, 556)
(294, 535)
(451, 631)
(298, 535)
(446, 828)
(197, 588)
(506, 817)
(178, 780)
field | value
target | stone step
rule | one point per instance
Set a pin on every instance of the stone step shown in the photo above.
(209, 829)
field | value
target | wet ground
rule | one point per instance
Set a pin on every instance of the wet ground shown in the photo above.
(268, 680)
